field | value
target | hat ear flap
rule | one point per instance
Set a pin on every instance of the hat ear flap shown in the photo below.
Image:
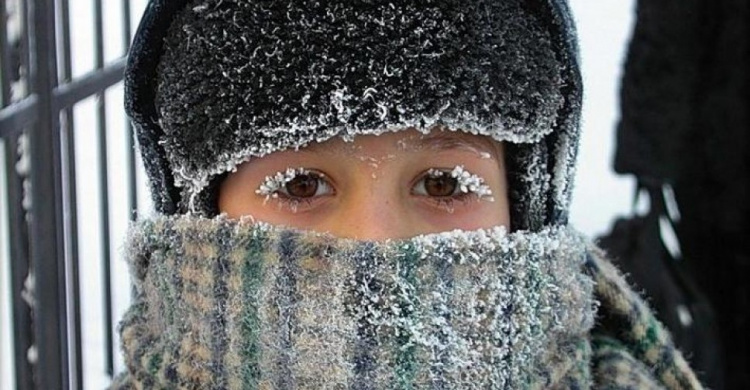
(140, 91)
(527, 167)
(165, 195)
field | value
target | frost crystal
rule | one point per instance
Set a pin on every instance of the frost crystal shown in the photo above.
(467, 182)
(272, 184)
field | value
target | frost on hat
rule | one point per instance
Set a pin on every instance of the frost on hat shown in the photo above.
(240, 79)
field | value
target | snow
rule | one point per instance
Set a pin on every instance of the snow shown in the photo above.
(467, 182)
(273, 183)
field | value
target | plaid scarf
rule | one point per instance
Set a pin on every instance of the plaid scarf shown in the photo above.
(233, 305)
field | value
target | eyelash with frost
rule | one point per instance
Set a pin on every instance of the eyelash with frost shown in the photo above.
(272, 184)
(467, 182)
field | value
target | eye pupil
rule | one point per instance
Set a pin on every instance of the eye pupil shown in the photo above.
(443, 185)
(302, 186)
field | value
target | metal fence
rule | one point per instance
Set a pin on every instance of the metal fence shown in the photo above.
(37, 129)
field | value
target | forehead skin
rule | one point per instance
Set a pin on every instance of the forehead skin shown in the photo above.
(439, 139)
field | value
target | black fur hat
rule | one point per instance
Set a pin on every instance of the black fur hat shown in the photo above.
(212, 83)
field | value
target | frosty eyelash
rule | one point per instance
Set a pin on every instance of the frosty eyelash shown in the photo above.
(272, 184)
(467, 185)
(467, 182)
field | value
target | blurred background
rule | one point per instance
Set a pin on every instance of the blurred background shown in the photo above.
(70, 180)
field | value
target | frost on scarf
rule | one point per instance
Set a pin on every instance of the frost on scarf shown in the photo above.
(242, 79)
(223, 304)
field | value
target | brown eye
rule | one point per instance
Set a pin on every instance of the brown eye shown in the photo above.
(440, 186)
(302, 186)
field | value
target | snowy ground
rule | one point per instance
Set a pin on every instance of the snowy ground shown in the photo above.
(599, 195)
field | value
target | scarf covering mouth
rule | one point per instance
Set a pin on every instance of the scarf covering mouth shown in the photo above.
(234, 305)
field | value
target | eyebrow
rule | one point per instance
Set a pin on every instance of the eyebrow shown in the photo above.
(448, 140)
(440, 140)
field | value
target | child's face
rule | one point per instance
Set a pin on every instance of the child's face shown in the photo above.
(395, 185)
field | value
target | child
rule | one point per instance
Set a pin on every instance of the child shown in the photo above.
(370, 195)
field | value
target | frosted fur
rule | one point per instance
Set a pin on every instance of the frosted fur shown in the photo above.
(235, 83)
(460, 310)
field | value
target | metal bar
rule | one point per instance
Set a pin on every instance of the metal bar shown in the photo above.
(75, 353)
(75, 350)
(18, 116)
(126, 29)
(25, 54)
(103, 182)
(69, 94)
(130, 153)
(49, 198)
(19, 254)
(19, 238)
(132, 172)
(47, 238)
(5, 51)
(24, 112)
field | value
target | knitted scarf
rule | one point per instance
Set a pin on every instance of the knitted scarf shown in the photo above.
(222, 304)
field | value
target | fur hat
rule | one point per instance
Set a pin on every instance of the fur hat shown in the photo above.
(212, 83)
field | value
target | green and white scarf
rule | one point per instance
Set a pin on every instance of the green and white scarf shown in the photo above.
(222, 304)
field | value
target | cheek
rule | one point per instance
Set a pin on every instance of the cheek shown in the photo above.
(237, 197)
(492, 216)
(233, 199)
(487, 215)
